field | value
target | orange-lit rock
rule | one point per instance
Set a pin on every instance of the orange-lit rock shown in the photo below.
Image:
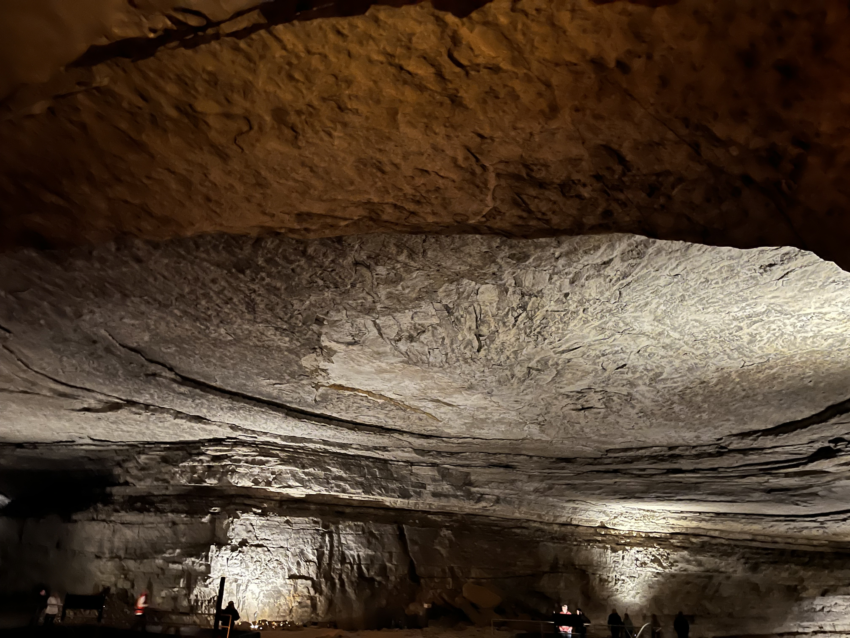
(719, 123)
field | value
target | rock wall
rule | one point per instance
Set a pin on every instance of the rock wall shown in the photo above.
(652, 386)
(362, 568)
(346, 427)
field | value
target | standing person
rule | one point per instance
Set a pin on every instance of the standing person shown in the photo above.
(564, 630)
(584, 621)
(655, 627)
(230, 610)
(681, 626)
(54, 606)
(628, 626)
(40, 605)
(141, 612)
(615, 624)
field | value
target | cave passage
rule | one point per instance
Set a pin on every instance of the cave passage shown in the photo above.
(437, 318)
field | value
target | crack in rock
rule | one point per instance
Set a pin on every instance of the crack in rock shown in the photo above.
(827, 414)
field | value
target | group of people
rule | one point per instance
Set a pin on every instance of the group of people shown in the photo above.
(229, 615)
(568, 623)
(49, 606)
(620, 627)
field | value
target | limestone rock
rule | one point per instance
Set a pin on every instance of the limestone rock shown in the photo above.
(289, 562)
(345, 427)
(372, 430)
(719, 123)
(622, 381)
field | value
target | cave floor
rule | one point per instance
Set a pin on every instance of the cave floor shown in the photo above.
(461, 631)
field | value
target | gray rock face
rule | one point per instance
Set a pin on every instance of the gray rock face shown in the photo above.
(362, 567)
(607, 414)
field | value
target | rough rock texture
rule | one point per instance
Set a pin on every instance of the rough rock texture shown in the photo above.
(353, 429)
(344, 427)
(362, 568)
(718, 122)
(455, 374)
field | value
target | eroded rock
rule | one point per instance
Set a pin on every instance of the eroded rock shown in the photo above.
(650, 385)
(718, 123)
(607, 419)
(362, 568)
(481, 596)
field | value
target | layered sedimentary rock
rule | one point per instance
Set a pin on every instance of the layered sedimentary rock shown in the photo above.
(442, 361)
(345, 427)
(719, 123)
(353, 430)
(361, 567)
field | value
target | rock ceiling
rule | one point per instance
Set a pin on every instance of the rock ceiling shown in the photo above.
(596, 378)
(644, 384)
(722, 123)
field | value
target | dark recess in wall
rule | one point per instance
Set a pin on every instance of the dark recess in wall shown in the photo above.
(53, 491)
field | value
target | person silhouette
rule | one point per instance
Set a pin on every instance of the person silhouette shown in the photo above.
(54, 606)
(230, 611)
(584, 621)
(655, 627)
(681, 626)
(141, 612)
(615, 624)
(563, 629)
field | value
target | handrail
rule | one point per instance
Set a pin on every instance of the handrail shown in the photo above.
(540, 623)
(493, 622)
(640, 631)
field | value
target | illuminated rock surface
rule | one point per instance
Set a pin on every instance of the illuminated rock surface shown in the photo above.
(720, 123)
(596, 397)
(351, 429)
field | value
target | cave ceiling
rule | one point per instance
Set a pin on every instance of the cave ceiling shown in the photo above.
(722, 123)
(568, 262)
(573, 380)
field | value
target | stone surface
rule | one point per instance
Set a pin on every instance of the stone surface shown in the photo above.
(622, 381)
(720, 123)
(380, 429)
(360, 567)
(481, 596)
(350, 429)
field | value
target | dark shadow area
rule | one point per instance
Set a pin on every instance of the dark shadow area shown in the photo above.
(185, 35)
(36, 493)
(94, 631)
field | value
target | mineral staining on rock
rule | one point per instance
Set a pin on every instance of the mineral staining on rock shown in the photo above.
(686, 121)
(353, 429)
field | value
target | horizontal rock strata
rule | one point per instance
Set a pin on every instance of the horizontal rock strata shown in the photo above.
(695, 388)
(360, 567)
(345, 427)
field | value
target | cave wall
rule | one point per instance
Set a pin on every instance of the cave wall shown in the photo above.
(361, 568)
(343, 427)
(654, 386)
(125, 551)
